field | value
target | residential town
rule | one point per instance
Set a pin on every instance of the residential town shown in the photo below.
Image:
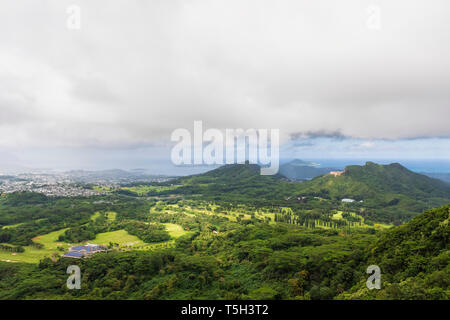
(70, 184)
(49, 189)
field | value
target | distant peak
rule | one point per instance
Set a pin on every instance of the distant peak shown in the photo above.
(397, 165)
(299, 162)
(373, 167)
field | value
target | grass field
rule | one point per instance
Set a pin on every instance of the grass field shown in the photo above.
(102, 189)
(110, 214)
(143, 189)
(120, 237)
(34, 255)
(232, 215)
(338, 216)
(190, 211)
(11, 226)
(267, 215)
(51, 244)
(31, 255)
(50, 240)
(174, 230)
(95, 215)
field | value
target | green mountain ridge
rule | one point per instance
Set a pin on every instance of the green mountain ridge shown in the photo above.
(356, 181)
(234, 181)
(386, 189)
(383, 193)
(396, 178)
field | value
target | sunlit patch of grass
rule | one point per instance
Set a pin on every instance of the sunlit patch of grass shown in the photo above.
(102, 189)
(143, 189)
(12, 225)
(33, 254)
(174, 230)
(121, 237)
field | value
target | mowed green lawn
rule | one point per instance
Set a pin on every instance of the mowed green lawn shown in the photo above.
(34, 255)
(31, 255)
(338, 216)
(111, 215)
(11, 226)
(174, 230)
(50, 240)
(143, 189)
(120, 237)
(51, 243)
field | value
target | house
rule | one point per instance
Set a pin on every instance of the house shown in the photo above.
(348, 200)
(83, 251)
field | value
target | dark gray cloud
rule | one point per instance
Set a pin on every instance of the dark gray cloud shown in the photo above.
(318, 134)
(299, 144)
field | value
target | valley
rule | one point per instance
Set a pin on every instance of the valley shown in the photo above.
(232, 233)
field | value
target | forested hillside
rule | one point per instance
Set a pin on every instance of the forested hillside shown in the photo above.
(384, 193)
(254, 261)
(390, 190)
(234, 234)
(414, 259)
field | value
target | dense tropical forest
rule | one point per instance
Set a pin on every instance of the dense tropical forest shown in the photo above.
(234, 234)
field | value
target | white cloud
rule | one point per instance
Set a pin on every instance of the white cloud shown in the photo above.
(137, 71)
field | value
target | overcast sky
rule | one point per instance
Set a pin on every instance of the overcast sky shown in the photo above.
(321, 71)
